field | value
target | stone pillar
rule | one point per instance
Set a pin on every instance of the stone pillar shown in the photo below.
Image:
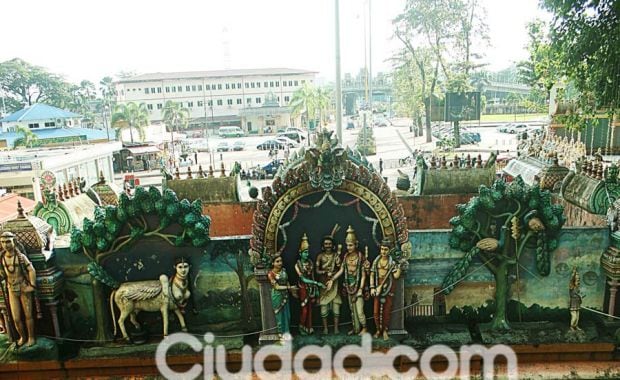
(269, 330)
(613, 290)
(397, 320)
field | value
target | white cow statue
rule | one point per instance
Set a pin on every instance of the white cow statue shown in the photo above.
(163, 295)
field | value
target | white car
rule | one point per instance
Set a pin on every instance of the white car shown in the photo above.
(287, 142)
(295, 129)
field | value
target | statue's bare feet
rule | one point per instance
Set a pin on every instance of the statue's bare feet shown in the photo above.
(385, 336)
(325, 331)
(363, 331)
(184, 329)
(30, 342)
(351, 332)
(376, 335)
(21, 341)
(336, 330)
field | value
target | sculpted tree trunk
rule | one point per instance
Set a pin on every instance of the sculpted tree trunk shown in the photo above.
(101, 316)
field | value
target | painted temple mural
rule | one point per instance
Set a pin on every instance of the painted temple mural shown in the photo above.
(326, 253)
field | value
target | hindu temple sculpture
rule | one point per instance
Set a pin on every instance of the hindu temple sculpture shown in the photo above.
(355, 266)
(161, 295)
(308, 287)
(575, 300)
(383, 275)
(327, 265)
(20, 281)
(280, 289)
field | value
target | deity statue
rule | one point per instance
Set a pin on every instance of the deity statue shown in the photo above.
(308, 287)
(575, 300)
(355, 266)
(327, 264)
(383, 275)
(279, 295)
(20, 285)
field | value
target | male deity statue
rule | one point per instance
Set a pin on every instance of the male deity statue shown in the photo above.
(383, 275)
(354, 267)
(308, 287)
(21, 279)
(575, 300)
(327, 264)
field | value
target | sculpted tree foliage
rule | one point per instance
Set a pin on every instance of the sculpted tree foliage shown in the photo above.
(498, 226)
(118, 227)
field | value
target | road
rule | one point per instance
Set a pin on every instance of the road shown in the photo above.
(390, 148)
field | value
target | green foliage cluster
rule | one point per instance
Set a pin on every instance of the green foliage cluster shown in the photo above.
(104, 234)
(485, 215)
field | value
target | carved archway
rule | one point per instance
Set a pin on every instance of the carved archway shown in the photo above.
(321, 169)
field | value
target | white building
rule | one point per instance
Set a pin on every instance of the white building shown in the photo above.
(216, 97)
(21, 170)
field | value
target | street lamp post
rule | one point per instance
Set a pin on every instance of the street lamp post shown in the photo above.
(106, 108)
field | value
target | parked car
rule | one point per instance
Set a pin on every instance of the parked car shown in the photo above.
(286, 142)
(513, 128)
(238, 145)
(295, 129)
(293, 135)
(223, 147)
(270, 144)
(469, 137)
(350, 125)
(271, 168)
(381, 122)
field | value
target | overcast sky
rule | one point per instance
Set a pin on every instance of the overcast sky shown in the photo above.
(91, 39)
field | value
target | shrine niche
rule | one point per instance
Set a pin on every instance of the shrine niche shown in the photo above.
(324, 191)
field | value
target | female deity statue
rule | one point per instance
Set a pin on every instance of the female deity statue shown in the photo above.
(279, 295)
(308, 287)
(575, 300)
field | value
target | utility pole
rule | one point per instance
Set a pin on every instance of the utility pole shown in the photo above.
(338, 80)
(370, 55)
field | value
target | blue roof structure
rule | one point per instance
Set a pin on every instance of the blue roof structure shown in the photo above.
(51, 133)
(38, 111)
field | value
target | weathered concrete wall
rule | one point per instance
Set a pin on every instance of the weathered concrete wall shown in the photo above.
(230, 219)
(431, 211)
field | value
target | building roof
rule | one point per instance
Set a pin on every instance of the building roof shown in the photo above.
(213, 74)
(51, 133)
(38, 111)
(8, 206)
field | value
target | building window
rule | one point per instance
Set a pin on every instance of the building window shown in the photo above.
(239, 101)
(159, 90)
(50, 124)
(303, 81)
(248, 100)
(277, 83)
(210, 103)
(200, 103)
(232, 85)
(193, 87)
(247, 85)
(219, 86)
(258, 84)
(239, 85)
(229, 101)
(159, 106)
(208, 87)
(278, 99)
(220, 102)
(149, 107)
(283, 83)
(257, 100)
(199, 87)
(252, 84)
(190, 104)
(296, 83)
(227, 86)
(33, 125)
(167, 89)
(265, 84)
(187, 88)
(146, 90)
(287, 99)
(271, 84)
(152, 90)
(174, 89)
(180, 88)
(290, 83)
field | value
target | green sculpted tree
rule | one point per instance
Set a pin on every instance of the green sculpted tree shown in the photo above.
(498, 225)
(130, 116)
(118, 227)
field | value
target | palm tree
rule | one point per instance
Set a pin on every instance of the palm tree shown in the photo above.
(175, 117)
(304, 101)
(322, 100)
(130, 116)
(28, 137)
